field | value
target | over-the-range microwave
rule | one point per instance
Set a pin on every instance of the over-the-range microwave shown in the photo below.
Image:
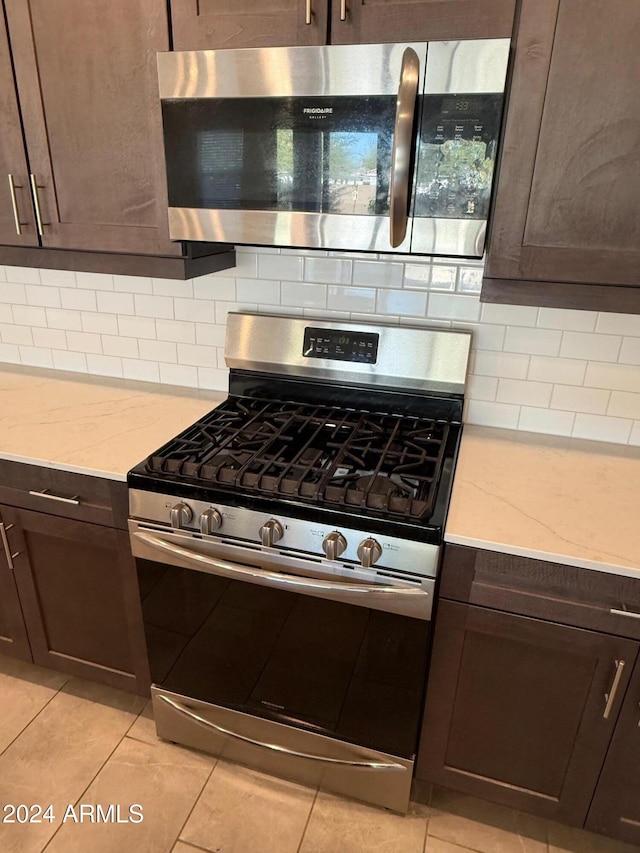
(379, 147)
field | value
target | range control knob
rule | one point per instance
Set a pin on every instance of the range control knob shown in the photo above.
(270, 532)
(210, 521)
(181, 514)
(369, 551)
(333, 545)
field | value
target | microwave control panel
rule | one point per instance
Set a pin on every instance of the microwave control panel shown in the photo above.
(341, 345)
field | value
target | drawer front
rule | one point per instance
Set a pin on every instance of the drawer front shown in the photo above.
(568, 595)
(64, 493)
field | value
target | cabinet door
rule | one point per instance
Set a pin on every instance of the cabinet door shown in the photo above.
(78, 587)
(16, 212)
(515, 709)
(372, 21)
(87, 86)
(615, 809)
(13, 633)
(210, 24)
(566, 204)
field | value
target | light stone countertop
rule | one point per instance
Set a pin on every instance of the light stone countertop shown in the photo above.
(89, 424)
(549, 498)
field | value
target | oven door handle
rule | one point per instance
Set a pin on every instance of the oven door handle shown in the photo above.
(234, 571)
(401, 153)
(193, 715)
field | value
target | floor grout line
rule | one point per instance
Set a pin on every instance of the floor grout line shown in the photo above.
(34, 718)
(306, 825)
(191, 810)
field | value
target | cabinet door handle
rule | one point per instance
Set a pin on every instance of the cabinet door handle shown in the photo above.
(610, 697)
(308, 13)
(36, 204)
(75, 500)
(343, 10)
(5, 544)
(14, 204)
(615, 612)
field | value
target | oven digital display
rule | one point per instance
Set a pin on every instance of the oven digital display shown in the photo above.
(340, 345)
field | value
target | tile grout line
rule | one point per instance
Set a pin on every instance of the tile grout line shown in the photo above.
(26, 726)
(191, 810)
(306, 825)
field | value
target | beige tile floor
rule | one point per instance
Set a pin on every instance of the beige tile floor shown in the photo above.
(66, 742)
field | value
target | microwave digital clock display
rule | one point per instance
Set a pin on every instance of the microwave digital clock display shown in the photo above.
(341, 345)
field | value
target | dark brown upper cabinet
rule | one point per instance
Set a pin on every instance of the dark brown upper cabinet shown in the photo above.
(208, 24)
(87, 90)
(565, 229)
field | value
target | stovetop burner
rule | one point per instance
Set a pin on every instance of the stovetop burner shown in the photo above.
(322, 455)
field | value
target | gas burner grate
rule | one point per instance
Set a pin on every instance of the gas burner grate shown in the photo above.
(318, 454)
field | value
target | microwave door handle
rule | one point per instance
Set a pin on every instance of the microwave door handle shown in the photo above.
(402, 139)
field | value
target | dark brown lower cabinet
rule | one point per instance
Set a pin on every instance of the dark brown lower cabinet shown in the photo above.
(74, 583)
(615, 809)
(517, 709)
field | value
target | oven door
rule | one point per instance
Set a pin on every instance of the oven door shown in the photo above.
(285, 664)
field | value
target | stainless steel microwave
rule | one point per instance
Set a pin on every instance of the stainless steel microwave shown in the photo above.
(380, 147)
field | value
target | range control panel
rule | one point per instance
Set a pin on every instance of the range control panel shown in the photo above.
(341, 345)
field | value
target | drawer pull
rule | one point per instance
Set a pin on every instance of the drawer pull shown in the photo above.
(75, 500)
(308, 13)
(5, 544)
(610, 697)
(629, 613)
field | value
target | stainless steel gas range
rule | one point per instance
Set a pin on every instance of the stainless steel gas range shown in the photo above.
(287, 549)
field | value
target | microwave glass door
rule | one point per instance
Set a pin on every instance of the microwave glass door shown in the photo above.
(320, 155)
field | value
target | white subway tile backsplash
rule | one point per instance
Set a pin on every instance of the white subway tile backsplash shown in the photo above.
(22, 275)
(590, 346)
(327, 270)
(524, 393)
(50, 338)
(180, 331)
(346, 299)
(377, 274)
(617, 377)
(101, 324)
(630, 351)
(546, 420)
(29, 315)
(619, 324)
(104, 365)
(198, 356)
(623, 404)
(602, 428)
(77, 299)
(509, 315)
(94, 281)
(84, 342)
(566, 371)
(532, 341)
(565, 319)
(132, 284)
(501, 364)
(592, 401)
(492, 414)
(548, 370)
(404, 303)
(11, 293)
(119, 347)
(115, 303)
(143, 371)
(46, 297)
(158, 351)
(11, 334)
(36, 356)
(303, 295)
(74, 361)
(256, 290)
(454, 307)
(278, 267)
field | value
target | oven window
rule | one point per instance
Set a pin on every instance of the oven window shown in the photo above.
(337, 669)
(329, 155)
